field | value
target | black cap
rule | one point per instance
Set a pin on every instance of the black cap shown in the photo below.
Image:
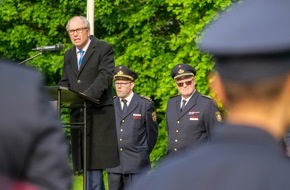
(182, 71)
(251, 40)
(123, 73)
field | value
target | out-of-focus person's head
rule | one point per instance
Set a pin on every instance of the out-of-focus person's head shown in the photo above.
(183, 74)
(250, 44)
(78, 28)
(124, 81)
(33, 150)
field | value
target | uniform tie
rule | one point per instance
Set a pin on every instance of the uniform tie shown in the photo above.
(125, 105)
(183, 105)
(81, 52)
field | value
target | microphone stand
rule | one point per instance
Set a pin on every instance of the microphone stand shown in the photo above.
(39, 53)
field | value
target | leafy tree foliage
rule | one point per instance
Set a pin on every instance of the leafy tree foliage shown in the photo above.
(28, 24)
(149, 36)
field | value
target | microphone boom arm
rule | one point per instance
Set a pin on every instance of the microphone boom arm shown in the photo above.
(38, 54)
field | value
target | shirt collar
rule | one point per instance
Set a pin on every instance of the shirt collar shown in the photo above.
(85, 48)
(187, 99)
(128, 98)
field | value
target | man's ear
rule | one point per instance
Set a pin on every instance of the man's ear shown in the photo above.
(89, 32)
(286, 96)
(288, 82)
(132, 85)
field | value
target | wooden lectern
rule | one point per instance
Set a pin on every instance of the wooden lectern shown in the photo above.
(65, 96)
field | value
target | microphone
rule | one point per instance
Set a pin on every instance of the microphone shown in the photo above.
(55, 47)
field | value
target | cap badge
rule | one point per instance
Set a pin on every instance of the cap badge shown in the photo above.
(180, 71)
(120, 73)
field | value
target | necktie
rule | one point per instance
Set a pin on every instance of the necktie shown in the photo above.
(125, 105)
(183, 105)
(81, 52)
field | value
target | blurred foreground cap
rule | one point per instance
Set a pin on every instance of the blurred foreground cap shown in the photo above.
(123, 73)
(251, 40)
(182, 71)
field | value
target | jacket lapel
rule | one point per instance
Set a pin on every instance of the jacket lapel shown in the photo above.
(190, 103)
(88, 53)
(74, 62)
(133, 104)
(177, 105)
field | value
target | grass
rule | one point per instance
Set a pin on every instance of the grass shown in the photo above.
(78, 182)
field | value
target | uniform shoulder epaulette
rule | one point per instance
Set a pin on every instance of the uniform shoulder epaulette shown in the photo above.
(114, 97)
(146, 97)
(208, 97)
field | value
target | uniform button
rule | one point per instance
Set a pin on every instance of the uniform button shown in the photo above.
(121, 130)
(121, 139)
(121, 149)
(78, 81)
(176, 140)
(177, 131)
(178, 122)
(123, 121)
(175, 149)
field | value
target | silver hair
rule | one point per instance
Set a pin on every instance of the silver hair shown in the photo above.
(84, 19)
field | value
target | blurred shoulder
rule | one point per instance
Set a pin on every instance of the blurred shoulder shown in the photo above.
(13, 69)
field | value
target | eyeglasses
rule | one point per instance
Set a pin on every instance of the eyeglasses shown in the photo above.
(121, 84)
(181, 84)
(78, 30)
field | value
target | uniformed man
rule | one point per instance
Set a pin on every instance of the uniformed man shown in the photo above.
(136, 130)
(190, 116)
(251, 45)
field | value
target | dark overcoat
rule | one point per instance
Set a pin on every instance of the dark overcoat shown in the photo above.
(94, 79)
(137, 133)
(191, 126)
